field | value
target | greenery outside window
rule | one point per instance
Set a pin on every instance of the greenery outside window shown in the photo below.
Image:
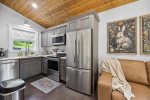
(20, 44)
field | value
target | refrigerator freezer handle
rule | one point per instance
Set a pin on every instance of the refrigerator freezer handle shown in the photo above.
(75, 51)
(78, 47)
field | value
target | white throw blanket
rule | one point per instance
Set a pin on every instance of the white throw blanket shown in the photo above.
(119, 82)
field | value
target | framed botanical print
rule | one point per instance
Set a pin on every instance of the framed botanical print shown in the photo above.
(145, 34)
(122, 36)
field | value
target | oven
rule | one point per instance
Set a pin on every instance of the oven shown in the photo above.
(59, 39)
(53, 68)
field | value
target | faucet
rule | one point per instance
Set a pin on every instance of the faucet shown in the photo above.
(27, 49)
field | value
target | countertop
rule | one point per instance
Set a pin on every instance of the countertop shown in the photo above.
(23, 57)
(62, 57)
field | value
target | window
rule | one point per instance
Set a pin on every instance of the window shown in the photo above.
(21, 38)
(19, 44)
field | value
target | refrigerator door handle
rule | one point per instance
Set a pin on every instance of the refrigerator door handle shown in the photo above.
(75, 51)
(78, 50)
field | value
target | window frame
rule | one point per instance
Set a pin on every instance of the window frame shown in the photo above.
(22, 29)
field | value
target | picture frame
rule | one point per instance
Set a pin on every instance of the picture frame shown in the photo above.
(122, 36)
(145, 34)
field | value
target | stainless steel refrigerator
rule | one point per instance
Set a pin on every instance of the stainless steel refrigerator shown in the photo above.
(79, 61)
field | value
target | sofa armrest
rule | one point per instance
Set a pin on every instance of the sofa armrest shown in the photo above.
(105, 86)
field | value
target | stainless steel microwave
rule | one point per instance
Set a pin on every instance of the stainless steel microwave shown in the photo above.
(59, 39)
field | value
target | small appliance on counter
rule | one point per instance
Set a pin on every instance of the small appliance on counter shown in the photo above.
(2, 54)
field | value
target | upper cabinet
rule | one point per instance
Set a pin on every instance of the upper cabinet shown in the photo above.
(63, 30)
(81, 23)
(56, 31)
(59, 30)
(44, 39)
(84, 21)
(73, 25)
(50, 33)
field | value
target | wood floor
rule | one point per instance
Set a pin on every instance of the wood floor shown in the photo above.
(60, 93)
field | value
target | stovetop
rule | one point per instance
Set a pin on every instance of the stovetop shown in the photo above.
(57, 56)
(53, 56)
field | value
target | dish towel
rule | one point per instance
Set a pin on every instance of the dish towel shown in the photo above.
(119, 82)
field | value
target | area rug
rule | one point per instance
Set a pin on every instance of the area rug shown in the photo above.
(45, 84)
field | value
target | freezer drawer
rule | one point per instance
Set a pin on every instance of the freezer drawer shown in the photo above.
(79, 80)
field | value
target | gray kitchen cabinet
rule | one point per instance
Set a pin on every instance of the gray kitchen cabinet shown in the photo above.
(50, 33)
(73, 25)
(44, 66)
(24, 70)
(82, 22)
(63, 30)
(59, 30)
(63, 69)
(30, 67)
(85, 22)
(35, 68)
(9, 69)
(56, 31)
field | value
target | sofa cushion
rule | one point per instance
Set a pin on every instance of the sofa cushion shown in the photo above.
(148, 71)
(134, 71)
(141, 92)
(116, 95)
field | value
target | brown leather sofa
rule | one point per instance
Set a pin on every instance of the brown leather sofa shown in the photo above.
(137, 73)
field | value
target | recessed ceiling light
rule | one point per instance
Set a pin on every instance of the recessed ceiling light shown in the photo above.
(34, 5)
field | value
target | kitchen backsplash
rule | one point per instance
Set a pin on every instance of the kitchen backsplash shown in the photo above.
(49, 49)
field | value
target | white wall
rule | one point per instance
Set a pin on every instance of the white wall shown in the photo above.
(11, 17)
(135, 9)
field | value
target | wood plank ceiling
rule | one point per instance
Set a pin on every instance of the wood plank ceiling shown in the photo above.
(54, 12)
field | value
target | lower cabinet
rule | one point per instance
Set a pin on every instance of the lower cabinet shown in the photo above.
(30, 67)
(63, 70)
(44, 66)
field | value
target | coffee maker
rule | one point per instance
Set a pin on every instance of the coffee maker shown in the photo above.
(2, 54)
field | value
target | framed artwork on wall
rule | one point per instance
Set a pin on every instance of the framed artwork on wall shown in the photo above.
(145, 34)
(122, 36)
